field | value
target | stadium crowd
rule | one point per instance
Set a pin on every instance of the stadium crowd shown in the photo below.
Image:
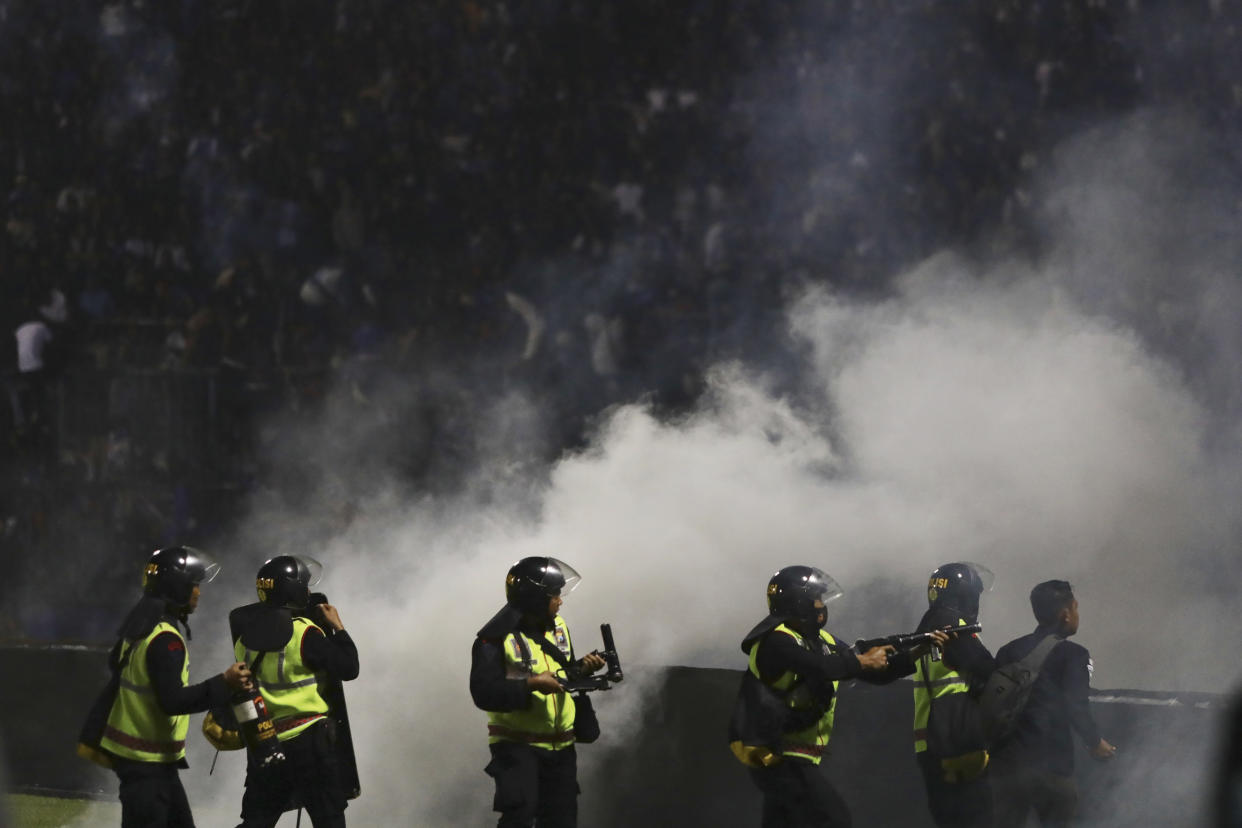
(217, 211)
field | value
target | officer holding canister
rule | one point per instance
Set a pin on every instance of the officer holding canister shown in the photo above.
(294, 648)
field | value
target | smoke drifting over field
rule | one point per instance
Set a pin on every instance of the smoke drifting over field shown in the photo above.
(1036, 417)
(1072, 417)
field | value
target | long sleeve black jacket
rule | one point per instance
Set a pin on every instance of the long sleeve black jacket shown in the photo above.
(166, 656)
(1058, 707)
(333, 652)
(490, 688)
(780, 653)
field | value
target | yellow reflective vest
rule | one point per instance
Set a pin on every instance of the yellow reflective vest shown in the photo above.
(548, 721)
(811, 742)
(935, 681)
(138, 728)
(290, 688)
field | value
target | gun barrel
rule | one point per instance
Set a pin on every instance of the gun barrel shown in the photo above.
(610, 653)
(967, 629)
(908, 640)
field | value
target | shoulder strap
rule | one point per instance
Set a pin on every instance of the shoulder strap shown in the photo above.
(1034, 660)
(520, 640)
(553, 652)
(258, 658)
(549, 649)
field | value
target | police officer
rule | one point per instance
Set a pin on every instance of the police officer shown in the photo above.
(791, 653)
(143, 735)
(519, 660)
(291, 646)
(948, 738)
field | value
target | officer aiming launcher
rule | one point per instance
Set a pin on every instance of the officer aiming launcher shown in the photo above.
(578, 683)
(905, 642)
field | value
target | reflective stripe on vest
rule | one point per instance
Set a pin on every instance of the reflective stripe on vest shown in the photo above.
(811, 742)
(932, 680)
(289, 687)
(138, 728)
(548, 720)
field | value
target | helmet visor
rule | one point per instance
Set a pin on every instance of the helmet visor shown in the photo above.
(201, 566)
(559, 571)
(986, 578)
(821, 585)
(313, 567)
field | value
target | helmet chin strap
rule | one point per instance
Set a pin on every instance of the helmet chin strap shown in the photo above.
(182, 613)
(810, 626)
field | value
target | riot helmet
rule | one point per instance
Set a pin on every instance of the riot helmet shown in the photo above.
(174, 571)
(285, 581)
(957, 586)
(532, 582)
(793, 591)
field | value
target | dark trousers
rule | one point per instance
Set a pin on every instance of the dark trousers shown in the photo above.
(151, 795)
(1022, 787)
(534, 786)
(955, 804)
(309, 772)
(797, 794)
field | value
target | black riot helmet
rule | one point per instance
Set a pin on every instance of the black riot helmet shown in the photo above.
(957, 586)
(531, 582)
(285, 581)
(174, 571)
(793, 591)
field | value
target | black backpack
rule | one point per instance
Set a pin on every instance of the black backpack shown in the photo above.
(1008, 689)
(758, 722)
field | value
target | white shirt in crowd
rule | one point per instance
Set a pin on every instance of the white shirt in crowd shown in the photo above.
(32, 339)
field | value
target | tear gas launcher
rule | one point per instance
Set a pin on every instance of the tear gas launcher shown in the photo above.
(905, 642)
(580, 683)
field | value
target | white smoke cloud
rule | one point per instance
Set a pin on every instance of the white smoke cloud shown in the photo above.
(1032, 417)
(973, 415)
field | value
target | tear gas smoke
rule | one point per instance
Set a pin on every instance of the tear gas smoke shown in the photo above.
(994, 413)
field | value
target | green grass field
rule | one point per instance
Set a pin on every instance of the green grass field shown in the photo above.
(28, 811)
(34, 811)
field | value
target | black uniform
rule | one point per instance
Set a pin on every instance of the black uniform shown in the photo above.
(1033, 767)
(796, 793)
(966, 804)
(310, 770)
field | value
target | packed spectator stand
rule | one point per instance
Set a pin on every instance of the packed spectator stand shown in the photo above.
(225, 212)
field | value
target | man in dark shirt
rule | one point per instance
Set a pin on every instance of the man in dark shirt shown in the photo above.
(1033, 766)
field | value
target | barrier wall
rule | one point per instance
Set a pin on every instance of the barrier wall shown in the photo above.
(679, 772)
